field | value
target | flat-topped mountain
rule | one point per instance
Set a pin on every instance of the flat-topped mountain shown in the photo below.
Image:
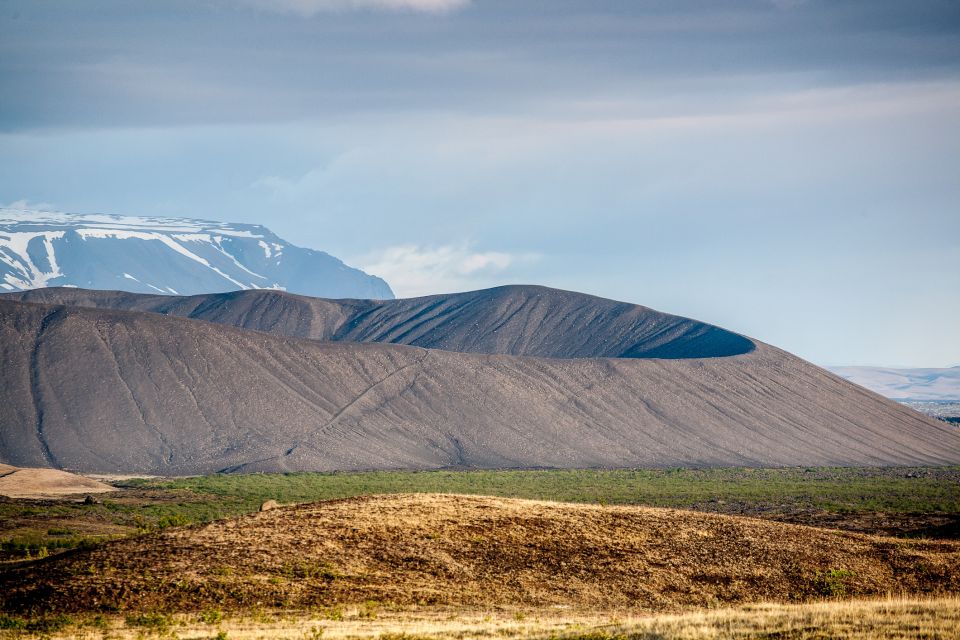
(165, 255)
(914, 384)
(101, 389)
(520, 320)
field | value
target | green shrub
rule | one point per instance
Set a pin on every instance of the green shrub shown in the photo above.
(306, 570)
(8, 622)
(49, 624)
(833, 583)
(172, 520)
(334, 612)
(100, 622)
(60, 531)
(156, 621)
(368, 610)
(211, 616)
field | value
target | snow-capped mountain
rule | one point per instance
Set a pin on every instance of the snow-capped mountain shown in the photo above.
(931, 385)
(166, 255)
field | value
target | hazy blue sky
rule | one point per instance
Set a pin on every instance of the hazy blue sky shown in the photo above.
(786, 169)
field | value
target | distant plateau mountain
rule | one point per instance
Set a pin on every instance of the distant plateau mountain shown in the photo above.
(169, 256)
(916, 384)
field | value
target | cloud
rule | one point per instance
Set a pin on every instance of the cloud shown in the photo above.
(308, 8)
(413, 270)
(27, 205)
(787, 4)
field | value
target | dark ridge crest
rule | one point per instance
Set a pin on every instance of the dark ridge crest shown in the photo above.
(520, 320)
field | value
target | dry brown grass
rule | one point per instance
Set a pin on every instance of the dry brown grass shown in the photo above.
(469, 551)
(891, 618)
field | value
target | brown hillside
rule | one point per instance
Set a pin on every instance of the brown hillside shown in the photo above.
(45, 483)
(468, 550)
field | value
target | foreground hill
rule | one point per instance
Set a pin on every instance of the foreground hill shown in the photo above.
(165, 255)
(520, 320)
(107, 390)
(463, 550)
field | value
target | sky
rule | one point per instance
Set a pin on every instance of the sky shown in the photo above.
(787, 169)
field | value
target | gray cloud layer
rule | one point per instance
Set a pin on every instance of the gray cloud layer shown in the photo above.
(101, 63)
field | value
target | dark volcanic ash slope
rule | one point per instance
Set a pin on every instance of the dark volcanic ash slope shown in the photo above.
(519, 320)
(109, 390)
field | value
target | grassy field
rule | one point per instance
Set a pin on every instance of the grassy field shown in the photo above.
(896, 501)
(892, 618)
(828, 489)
